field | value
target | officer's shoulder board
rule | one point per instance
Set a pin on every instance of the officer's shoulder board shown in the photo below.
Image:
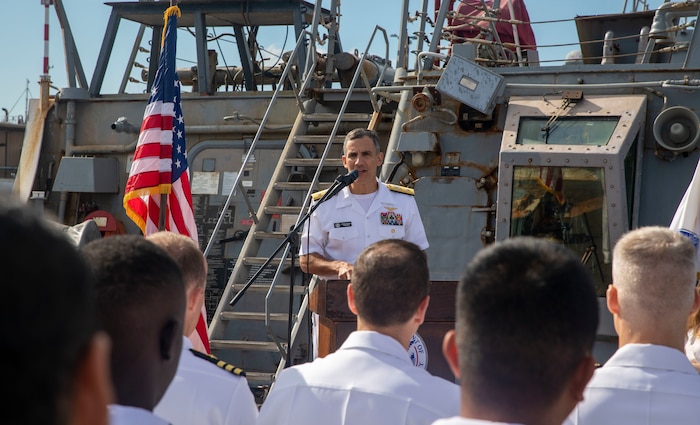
(318, 195)
(400, 189)
(222, 364)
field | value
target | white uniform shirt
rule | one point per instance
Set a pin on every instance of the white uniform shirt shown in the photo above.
(202, 393)
(340, 228)
(641, 384)
(129, 415)
(692, 347)
(467, 421)
(368, 380)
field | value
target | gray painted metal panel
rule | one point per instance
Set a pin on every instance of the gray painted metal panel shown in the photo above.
(471, 84)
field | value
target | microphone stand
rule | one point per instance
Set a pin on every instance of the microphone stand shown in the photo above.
(292, 239)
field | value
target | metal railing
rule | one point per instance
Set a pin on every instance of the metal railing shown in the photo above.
(376, 106)
(258, 133)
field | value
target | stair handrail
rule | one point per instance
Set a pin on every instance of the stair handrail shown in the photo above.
(307, 76)
(311, 57)
(254, 143)
(376, 107)
(307, 200)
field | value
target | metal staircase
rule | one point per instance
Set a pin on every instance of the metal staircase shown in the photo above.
(262, 309)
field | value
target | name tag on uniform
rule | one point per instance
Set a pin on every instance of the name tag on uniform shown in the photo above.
(342, 224)
(391, 218)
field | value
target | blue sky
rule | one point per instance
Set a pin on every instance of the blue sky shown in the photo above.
(22, 38)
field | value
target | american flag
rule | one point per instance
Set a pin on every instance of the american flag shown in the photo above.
(687, 217)
(160, 164)
(552, 181)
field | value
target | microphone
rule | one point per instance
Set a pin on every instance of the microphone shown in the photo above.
(347, 179)
(341, 182)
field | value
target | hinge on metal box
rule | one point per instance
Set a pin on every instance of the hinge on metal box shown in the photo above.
(569, 97)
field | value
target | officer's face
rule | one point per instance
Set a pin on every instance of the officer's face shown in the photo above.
(361, 155)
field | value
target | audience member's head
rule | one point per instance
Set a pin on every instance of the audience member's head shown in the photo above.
(141, 301)
(653, 289)
(56, 361)
(527, 315)
(187, 254)
(390, 285)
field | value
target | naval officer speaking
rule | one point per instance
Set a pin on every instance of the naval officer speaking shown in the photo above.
(363, 212)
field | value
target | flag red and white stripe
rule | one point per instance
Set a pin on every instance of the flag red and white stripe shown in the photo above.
(160, 163)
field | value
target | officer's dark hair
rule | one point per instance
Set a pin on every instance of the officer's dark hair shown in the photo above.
(141, 302)
(390, 278)
(359, 133)
(527, 314)
(48, 315)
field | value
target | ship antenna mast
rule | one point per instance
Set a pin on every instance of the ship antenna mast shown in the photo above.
(635, 5)
(45, 80)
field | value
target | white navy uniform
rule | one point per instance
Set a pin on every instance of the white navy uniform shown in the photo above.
(130, 415)
(203, 393)
(340, 228)
(468, 421)
(368, 380)
(641, 384)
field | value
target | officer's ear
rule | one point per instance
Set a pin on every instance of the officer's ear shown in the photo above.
(168, 334)
(380, 157)
(351, 299)
(449, 350)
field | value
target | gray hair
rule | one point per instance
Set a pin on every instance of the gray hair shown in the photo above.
(654, 272)
(359, 133)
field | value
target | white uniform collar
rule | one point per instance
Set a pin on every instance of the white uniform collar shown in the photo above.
(121, 415)
(376, 341)
(345, 196)
(186, 344)
(651, 356)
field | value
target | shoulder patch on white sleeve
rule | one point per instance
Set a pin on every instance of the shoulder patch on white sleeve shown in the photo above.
(222, 364)
(400, 189)
(318, 195)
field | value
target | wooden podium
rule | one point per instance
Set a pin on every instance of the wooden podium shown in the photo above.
(336, 321)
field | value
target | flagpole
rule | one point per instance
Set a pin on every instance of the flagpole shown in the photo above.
(163, 210)
(163, 196)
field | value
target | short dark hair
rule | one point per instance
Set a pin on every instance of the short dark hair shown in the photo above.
(140, 292)
(131, 273)
(527, 314)
(390, 279)
(49, 316)
(359, 133)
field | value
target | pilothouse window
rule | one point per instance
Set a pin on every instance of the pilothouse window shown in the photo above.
(566, 205)
(566, 130)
